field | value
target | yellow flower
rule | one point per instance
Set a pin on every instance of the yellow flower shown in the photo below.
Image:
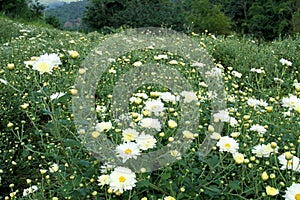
(210, 129)
(271, 191)
(297, 108)
(73, 54)
(288, 155)
(169, 198)
(10, 66)
(264, 176)
(269, 108)
(43, 171)
(238, 158)
(246, 117)
(95, 134)
(73, 91)
(172, 124)
(9, 125)
(173, 62)
(25, 105)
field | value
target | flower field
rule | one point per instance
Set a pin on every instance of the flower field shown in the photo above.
(46, 155)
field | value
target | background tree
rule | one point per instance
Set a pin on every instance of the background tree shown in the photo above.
(26, 9)
(296, 16)
(270, 19)
(266, 19)
(134, 13)
(203, 15)
(53, 21)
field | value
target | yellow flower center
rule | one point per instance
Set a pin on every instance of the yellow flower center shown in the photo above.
(129, 136)
(122, 179)
(154, 107)
(227, 146)
(297, 197)
(44, 66)
(128, 151)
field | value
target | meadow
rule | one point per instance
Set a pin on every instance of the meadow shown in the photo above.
(44, 154)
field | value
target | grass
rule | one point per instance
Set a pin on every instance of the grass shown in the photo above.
(37, 132)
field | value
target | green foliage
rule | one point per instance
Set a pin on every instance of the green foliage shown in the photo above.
(262, 19)
(26, 9)
(134, 13)
(53, 21)
(9, 29)
(296, 17)
(269, 20)
(202, 15)
(69, 15)
(43, 133)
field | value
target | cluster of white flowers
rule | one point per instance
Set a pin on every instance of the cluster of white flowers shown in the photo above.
(236, 74)
(120, 179)
(134, 141)
(255, 103)
(285, 62)
(30, 190)
(258, 128)
(258, 71)
(263, 150)
(292, 102)
(223, 116)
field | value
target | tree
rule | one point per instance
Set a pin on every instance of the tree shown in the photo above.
(270, 19)
(21, 8)
(53, 21)
(36, 8)
(134, 13)
(296, 16)
(203, 15)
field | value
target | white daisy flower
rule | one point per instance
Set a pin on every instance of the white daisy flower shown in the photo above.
(103, 126)
(293, 192)
(146, 141)
(258, 128)
(57, 95)
(127, 150)
(151, 123)
(129, 134)
(103, 180)
(228, 144)
(155, 106)
(263, 150)
(168, 97)
(30, 190)
(122, 179)
(45, 63)
(291, 102)
(222, 115)
(189, 96)
(292, 164)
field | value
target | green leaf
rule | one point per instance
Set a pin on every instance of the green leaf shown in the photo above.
(234, 185)
(213, 161)
(212, 190)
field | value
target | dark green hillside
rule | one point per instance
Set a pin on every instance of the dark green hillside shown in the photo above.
(69, 14)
